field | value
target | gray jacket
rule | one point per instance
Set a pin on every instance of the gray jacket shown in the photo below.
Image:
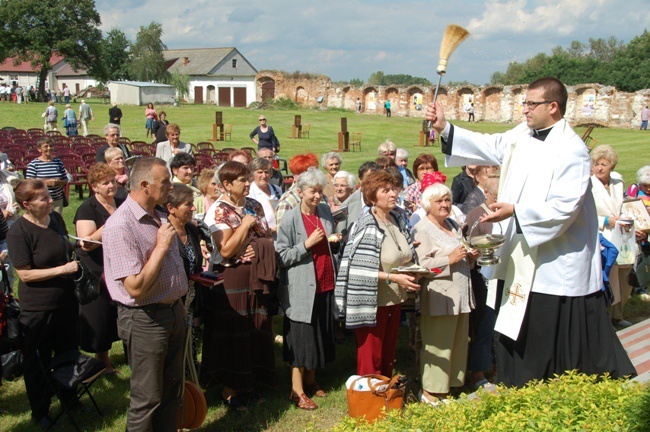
(297, 274)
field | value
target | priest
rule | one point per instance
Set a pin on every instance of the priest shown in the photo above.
(551, 312)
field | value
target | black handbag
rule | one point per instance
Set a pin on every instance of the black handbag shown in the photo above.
(9, 311)
(12, 365)
(86, 284)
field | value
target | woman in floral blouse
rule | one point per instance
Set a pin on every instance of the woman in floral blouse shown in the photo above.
(238, 342)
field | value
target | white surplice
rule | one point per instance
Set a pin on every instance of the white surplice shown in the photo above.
(549, 184)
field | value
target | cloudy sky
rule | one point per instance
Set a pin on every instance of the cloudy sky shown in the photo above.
(347, 39)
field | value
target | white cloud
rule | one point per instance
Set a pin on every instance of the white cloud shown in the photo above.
(353, 38)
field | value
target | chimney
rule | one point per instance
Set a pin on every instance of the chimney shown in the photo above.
(185, 61)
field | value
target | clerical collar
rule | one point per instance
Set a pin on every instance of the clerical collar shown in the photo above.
(541, 134)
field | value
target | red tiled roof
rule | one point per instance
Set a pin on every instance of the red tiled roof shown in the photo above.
(9, 66)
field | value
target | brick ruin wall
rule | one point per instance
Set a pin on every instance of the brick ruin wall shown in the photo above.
(588, 103)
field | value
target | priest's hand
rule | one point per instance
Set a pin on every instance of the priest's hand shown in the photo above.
(500, 211)
(436, 116)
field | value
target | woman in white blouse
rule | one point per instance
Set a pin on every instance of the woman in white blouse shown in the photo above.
(608, 189)
(261, 190)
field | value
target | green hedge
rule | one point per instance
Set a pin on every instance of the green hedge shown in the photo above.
(572, 402)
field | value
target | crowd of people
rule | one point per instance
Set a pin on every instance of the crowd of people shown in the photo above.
(333, 252)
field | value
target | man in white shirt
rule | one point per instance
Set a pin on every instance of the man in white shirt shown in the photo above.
(552, 315)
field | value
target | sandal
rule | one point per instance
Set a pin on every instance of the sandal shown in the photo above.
(302, 401)
(485, 385)
(431, 400)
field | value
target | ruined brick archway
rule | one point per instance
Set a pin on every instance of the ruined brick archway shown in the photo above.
(301, 95)
(370, 102)
(415, 101)
(265, 88)
(392, 94)
(491, 104)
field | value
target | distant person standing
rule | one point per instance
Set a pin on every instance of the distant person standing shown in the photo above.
(51, 116)
(19, 94)
(265, 136)
(387, 107)
(470, 113)
(358, 106)
(644, 118)
(115, 115)
(70, 120)
(152, 116)
(85, 114)
(159, 127)
(66, 94)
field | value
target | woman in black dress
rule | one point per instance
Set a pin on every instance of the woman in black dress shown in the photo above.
(265, 136)
(97, 319)
(48, 315)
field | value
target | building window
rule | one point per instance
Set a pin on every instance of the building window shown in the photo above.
(234, 63)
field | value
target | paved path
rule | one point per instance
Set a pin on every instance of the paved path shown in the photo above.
(636, 341)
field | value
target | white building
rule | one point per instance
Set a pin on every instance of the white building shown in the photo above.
(220, 76)
(141, 93)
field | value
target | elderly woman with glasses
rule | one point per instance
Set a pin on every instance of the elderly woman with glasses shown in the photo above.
(265, 136)
(115, 159)
(306, 290)
(387, 148)
(264, 192)
(51, 171)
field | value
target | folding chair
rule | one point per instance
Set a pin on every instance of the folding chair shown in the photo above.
(75, 373)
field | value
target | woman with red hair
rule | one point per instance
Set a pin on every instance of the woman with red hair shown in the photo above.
(291, 198)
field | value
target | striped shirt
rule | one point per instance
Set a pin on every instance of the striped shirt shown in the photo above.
(54, 169)
(128, 239)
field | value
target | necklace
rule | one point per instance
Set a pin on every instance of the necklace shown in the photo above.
(308, 219)
(387, 227)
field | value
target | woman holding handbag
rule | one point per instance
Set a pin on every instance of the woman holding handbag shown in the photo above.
(97, 319)
(49, 309)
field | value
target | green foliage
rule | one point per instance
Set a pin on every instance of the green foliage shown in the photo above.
(356, 82)
(33, 30)
(147, 59)
(181, 83)
(281, 103)
(572, 402)
(603, 61)
(379, 78)
(640, 412)
(113, 63)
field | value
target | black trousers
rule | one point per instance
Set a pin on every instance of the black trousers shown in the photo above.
(49, 332)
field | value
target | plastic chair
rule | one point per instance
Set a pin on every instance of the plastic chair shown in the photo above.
(250, 150)
(72, 372)
(75, 166)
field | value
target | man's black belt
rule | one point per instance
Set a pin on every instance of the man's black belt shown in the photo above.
(152, 306)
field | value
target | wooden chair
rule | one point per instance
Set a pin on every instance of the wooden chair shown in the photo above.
(304, 133)
(355, 141)
(589, 141)
(227, 132)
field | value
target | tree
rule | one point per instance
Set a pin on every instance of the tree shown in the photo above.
(181, 83)
(147, 59)
(34, 30)
(114, 60)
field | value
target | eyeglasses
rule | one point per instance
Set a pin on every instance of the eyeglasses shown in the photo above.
(531, 105)
(115, 134)
(262, 119)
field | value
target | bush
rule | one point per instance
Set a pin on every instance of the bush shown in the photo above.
(282, 103)
(574, 401)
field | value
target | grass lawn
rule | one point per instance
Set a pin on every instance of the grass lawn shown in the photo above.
(277, 413)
